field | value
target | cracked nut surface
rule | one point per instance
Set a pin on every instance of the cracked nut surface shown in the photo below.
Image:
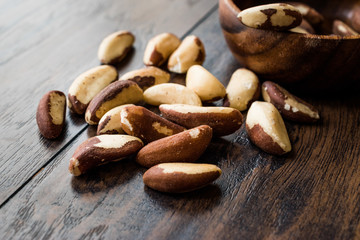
(266, 128)
(223, 120)
(116, 94)
(171, 93)
(87, 85)
(185, 146)
(143, 123)
(204, 84)
(290, 106)
(147, 77)
(180, 177)
(276, 16)
(50, 114)
(110, 123)
(190, 52)
(159, 48)
(102, 149)
(242, 90)
(114, 47)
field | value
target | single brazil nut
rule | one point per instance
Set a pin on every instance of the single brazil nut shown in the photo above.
(275, 16)
(304, 28)
(50, 114)
(180, 177)
(355, 18)
(342, 29)
(223, 120)
(102, 149)
(190, 52)
(110, 123)
(204, 84)
(186, 146)
(171, 93)
(159, 48)
(87, 85)
(114, 47)
(309, 14)
(116, 94)
(139, 122)
(266, 128)
(147, 77)
(242, 89)
(290, 106)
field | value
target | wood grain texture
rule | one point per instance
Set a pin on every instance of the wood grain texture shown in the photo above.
(45, 45)
(311, 193)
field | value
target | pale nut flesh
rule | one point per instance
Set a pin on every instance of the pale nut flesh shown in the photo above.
(186, 146)
(309, 14)
(180, 177)
(114, 47)
(289, 106)
(147, 77)
(171, 93)
(190, 52)
(87, 85)
(110, 123)
(159, 48)
(266, 128)
(242, 89)
(276, 16)
(204, 84)
(102, 149)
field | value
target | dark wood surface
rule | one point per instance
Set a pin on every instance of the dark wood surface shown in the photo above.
(312, 193)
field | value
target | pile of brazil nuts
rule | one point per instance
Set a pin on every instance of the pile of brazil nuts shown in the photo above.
(170, 144)
(296, 17)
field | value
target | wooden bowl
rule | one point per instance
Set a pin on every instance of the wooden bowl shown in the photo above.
(303, 62)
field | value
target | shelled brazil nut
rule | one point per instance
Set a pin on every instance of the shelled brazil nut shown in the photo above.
(204, 84)
(242, 89)
(102, 149)
(143, 123)
(87, 85)
(342, 29)
(147, 77)
(114, 47)
(275, 16)
(290, 106)
(223, 120)
(110, 123)
(313, 17)
(190, 52)
(171, 93)
(185, 146)
(159, 48)
(266, 128)
(116, 94)
(180, 177)
(50, 114)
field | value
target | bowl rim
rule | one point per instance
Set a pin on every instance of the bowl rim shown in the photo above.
(236, 10)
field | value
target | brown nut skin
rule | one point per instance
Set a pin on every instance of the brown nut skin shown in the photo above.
(115, 46)
(116, 94)
(190, 52)
(309, 14)
(186, 146)
(304, 28)
(50, 114)
(266, 128)
(276, 16)
(102, 149)
(110, 123)
(342, 29)
(222, 120)
(147, 77)
(159, 48)
(242, 90)
(87, 85)
(146, 125)
(180, 177)
(289, 106)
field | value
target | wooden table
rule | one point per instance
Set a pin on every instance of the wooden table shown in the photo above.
(311, 193)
